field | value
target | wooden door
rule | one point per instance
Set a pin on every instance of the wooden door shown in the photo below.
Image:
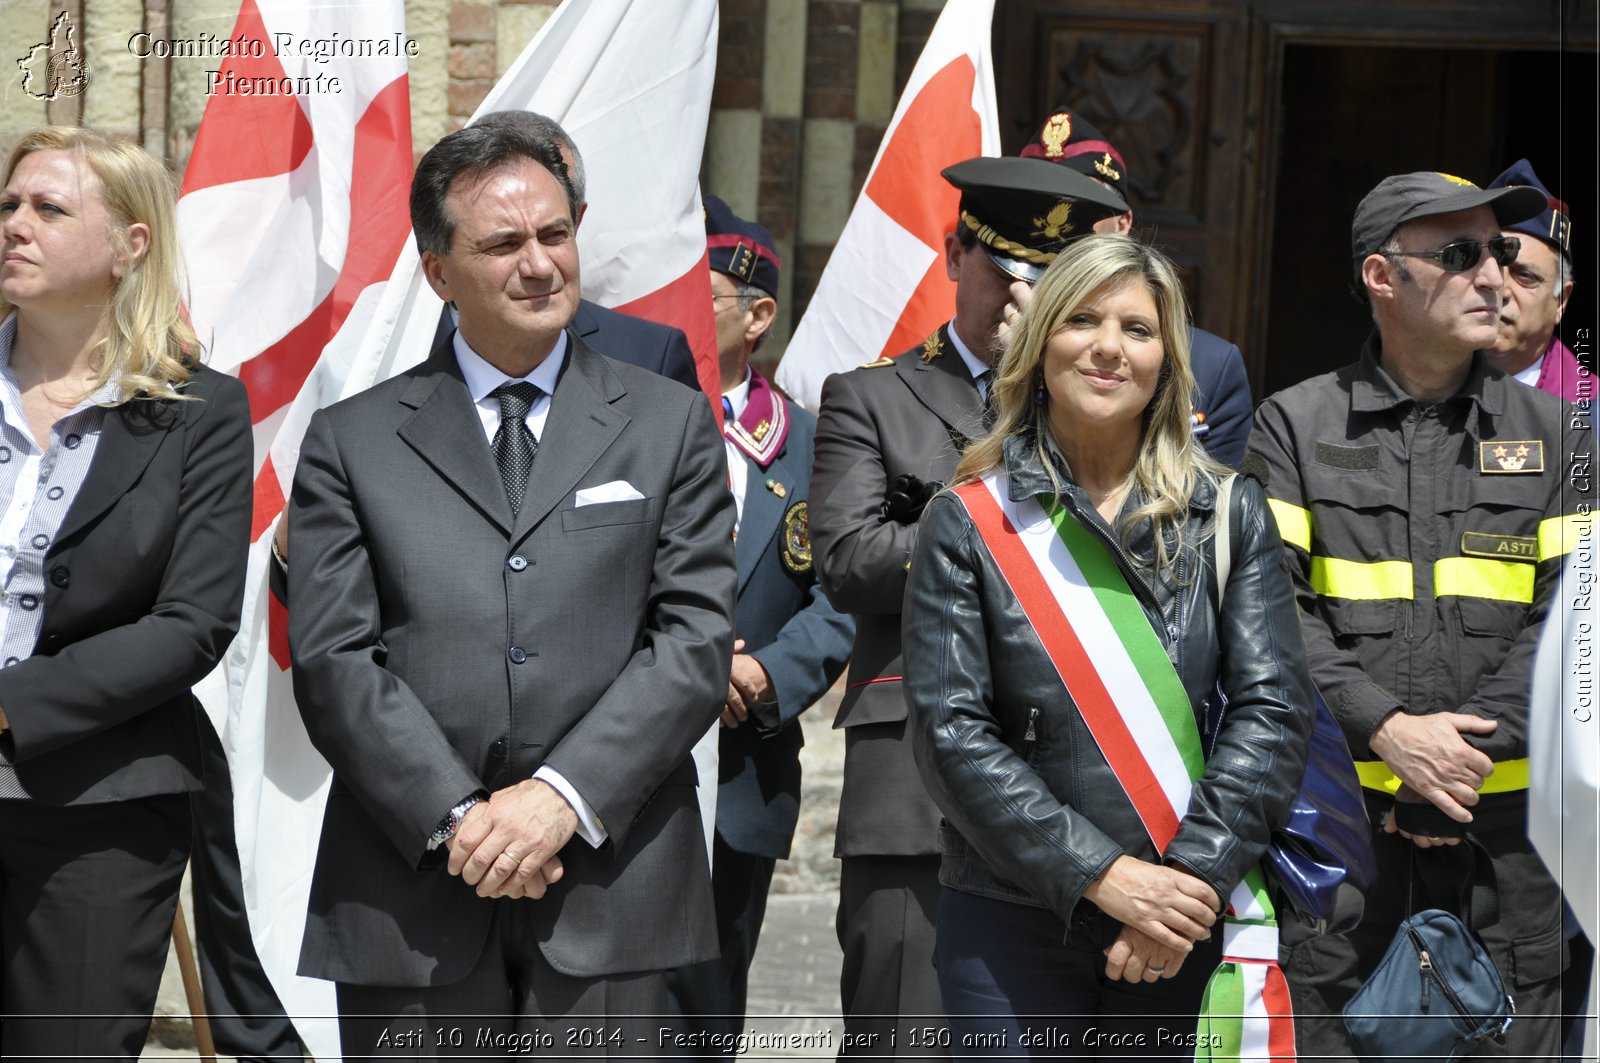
(1252, 127)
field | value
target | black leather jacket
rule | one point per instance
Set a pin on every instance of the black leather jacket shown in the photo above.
(1036, 812)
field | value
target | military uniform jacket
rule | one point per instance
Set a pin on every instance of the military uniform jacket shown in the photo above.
(1425, 542)
(913, 414)
(790, 627)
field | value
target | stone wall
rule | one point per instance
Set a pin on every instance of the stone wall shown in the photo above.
(804, 90)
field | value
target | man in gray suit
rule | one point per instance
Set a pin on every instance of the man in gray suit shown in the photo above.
(513, 594)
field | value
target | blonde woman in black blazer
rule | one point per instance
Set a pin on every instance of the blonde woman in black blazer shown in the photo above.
(124, 518)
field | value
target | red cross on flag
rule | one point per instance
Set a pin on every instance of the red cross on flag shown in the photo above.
(885, 289)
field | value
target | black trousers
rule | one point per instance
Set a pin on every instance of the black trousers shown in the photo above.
(710, 998)
(87, 898)
(1013, 989)
(888, 987)
(1526, 944)
(247, 1019)
(512, 1003)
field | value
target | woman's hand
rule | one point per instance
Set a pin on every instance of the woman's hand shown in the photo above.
(1171, 907)
(1135, 957)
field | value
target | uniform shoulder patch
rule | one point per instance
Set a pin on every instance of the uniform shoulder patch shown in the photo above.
(1511, 456)
(879, 364)
(796, 547)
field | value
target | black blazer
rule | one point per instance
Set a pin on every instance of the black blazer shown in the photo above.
(144, 583)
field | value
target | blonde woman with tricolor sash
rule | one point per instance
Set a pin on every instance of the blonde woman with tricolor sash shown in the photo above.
(1064, 649)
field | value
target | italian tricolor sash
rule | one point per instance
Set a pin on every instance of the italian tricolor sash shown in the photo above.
(1097, 635)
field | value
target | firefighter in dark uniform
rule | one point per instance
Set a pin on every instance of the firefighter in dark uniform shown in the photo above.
(1425, 504)
(888, 435)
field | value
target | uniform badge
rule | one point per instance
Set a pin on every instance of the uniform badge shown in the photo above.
(1057, 131)
(1056, 224)
(932, 348)
(1511, 456)
(1103, 166)
(760, 431)
(777, 488)
(797, 539)
(879, 364)
(1500, 547)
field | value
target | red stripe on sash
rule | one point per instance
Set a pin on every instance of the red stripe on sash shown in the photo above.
(1280, 1015)
(1072, 662)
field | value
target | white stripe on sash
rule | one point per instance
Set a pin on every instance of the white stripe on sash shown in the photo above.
(1077, 600)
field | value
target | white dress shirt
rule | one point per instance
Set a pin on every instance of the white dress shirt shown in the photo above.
(974, 364)
(482, 379)
(738, 470)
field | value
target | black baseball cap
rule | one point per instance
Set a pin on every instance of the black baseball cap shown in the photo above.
(1407, 197)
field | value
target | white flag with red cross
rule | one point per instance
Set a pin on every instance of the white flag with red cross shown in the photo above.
(305, 283)
(884, 289)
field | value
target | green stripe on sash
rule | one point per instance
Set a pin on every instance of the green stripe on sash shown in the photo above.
(1133, 628)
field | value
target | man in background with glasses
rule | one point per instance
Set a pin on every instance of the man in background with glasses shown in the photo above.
(1425, 502)
(1538, 285)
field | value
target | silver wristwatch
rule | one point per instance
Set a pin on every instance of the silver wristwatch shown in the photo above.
(451, 822)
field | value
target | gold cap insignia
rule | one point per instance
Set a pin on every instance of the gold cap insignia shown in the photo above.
(1511, 456)
(1103, 166)
(1057, 131)
(796, 552)
(1056, 224)
(932, 347)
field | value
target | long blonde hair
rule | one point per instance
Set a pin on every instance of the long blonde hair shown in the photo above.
(147, 342)
(1169, 465)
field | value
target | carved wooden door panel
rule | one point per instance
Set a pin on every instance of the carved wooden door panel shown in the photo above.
(1168, 90)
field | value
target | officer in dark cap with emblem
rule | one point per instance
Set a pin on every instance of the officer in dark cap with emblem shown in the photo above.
(888, 435)
(1222, 402)
(792, 644)
(1538, 285)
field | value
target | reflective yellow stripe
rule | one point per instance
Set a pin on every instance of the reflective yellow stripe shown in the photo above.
(1294, 523)
(1509, 776)
(1558, 535)
(1338, 578)
(1482, 577)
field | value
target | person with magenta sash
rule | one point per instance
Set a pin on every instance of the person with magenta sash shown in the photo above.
(1100, 880)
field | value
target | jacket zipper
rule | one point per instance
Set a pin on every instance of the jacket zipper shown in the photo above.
(1030, 737)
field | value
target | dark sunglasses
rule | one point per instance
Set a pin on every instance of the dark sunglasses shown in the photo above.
(1466, 254)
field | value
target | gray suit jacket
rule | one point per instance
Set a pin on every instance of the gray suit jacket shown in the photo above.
(442, 646)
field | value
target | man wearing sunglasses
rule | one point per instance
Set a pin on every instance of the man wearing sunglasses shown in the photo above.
(1425, 505)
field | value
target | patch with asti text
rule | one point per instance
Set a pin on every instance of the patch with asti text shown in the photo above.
(1500, 547)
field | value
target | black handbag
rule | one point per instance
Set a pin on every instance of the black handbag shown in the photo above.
(1436, 994)
(1321, 858)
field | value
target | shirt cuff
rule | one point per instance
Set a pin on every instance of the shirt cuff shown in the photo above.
(590, 829)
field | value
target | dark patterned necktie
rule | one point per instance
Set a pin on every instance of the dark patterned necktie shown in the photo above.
(986, 394)
(514, 445)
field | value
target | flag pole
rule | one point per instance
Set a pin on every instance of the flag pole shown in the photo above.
(191, 987)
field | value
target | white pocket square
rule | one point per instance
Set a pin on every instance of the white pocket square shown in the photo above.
(615, 491)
